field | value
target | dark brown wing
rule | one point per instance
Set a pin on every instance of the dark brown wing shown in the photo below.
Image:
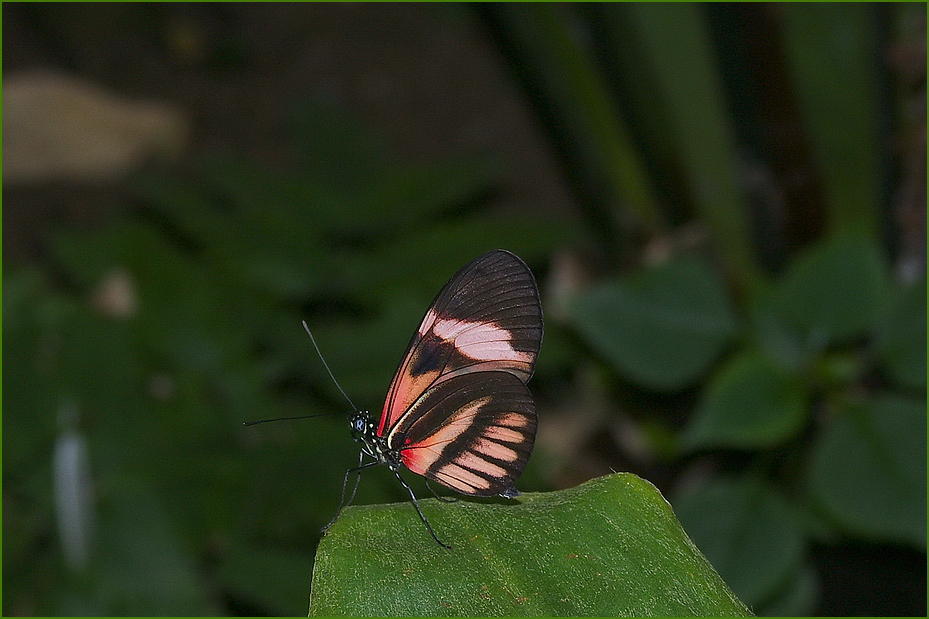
(486, 318)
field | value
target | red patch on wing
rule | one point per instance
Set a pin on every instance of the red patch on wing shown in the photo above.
(472, 433)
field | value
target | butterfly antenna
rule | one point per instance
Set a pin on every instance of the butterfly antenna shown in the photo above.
(255, 423)
(326, 365)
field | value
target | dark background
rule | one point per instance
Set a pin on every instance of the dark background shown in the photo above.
(336, 163)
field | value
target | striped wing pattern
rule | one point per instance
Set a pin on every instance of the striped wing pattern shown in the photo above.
(472, 433)
(458, 410)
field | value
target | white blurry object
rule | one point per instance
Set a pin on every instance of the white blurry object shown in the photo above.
(57, 127)
(116, 295)
(73, 492)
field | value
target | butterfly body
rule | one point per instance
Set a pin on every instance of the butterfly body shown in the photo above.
(458, 411)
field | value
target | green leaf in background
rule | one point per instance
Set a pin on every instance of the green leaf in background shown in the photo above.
(834, 291)
(779, 340)
(609, 547)
(334, 148)
(902, 336)
(834, 53)
(684, 98)
(661, 328)
(868, 469)
(749, 533)
(750, 404)
(583, 112)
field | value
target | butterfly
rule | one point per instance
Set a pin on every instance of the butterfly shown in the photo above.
(458, 411)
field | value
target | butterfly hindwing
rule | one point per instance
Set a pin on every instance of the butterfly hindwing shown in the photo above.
(472, 433)
(486, 318)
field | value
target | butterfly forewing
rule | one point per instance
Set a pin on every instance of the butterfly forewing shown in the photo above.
(472, 433)
(486, 318)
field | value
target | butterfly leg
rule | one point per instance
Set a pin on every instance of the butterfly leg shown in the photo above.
(357, 470)
(419, 511)
(342, 502)
(444, 499)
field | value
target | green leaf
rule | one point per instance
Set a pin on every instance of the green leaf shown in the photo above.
(902, 337)
(684, 96)
(663, 327)
(748, 531)
(405, 197)
(780, 341)
(868, 469)
(833, 51)
(577, 97)
(32, 317)
(751, 404)
(834, 291)
(608, 547)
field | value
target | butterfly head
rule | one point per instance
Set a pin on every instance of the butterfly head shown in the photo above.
(362, 426)
(364, 431)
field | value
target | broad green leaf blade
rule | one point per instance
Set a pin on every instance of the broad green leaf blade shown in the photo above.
(834, 291)
(750, 532)
(868, 469)
(661, 328)
(610, 547)
(752, 403)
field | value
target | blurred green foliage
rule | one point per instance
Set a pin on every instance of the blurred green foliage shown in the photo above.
(216, 274)
(143, 344)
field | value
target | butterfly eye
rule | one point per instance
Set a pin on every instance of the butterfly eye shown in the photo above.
(358, 424)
